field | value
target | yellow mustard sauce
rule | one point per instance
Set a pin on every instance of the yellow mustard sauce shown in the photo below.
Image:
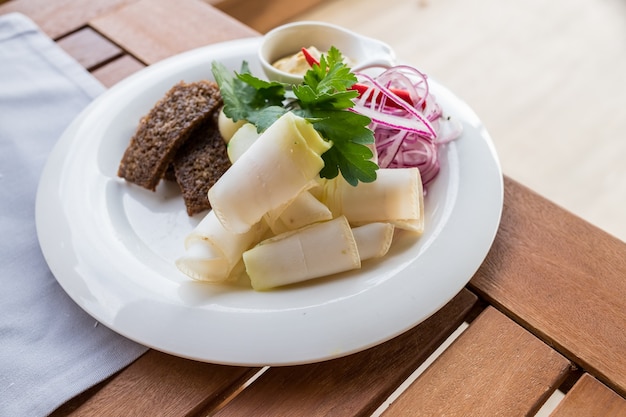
(296, 64)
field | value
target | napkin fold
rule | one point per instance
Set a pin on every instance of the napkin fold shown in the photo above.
(50, 349)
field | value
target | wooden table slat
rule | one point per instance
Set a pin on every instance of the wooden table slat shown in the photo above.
(563, 278)
(89, 48)
(163, 385)
(493, 368)
(147, 30)
(261, 15)
(60, 17)
(589, 397)
(354, 385)
(114, 71)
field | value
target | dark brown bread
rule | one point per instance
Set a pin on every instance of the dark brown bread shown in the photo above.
(164, 130)
(169, 173)
(199, 163)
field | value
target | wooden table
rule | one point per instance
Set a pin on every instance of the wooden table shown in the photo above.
(545, 312)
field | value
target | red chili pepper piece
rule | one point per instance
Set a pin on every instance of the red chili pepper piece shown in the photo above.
(310, 59)
(402, 94)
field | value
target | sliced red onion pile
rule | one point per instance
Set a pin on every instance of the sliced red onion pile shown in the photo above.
(406, 134)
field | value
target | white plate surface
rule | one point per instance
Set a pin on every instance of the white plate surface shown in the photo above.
(112, 245)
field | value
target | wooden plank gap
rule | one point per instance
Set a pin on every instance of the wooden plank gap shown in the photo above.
(117, 69)
(425, 365)
(551, 403)
(589, 397)
(90, 48)
(520, 320)
(477, 309)
(121, 47)
(228, 393)
(575, 374)
(213, 407)
(108, 61)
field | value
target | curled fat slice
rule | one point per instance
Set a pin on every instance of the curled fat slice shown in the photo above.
(211, 251)
(310, 252)
(395, 197)
(230, 245)
(201, 262)
(303, 210)
(373, 239)
(413, 225)
(276, 168)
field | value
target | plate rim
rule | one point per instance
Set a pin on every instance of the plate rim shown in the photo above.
(45, 195)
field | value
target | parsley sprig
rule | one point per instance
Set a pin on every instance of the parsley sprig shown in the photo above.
(323, 98)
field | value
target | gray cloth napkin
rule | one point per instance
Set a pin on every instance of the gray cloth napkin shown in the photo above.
(50, 349)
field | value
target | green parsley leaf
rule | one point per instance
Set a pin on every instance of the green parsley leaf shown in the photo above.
(331, 75)
(350, 157)
(311, 99)
(249, 98)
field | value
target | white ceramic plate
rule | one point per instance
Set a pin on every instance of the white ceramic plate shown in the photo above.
(112, 245)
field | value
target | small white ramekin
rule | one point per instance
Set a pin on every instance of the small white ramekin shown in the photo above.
(362, 51)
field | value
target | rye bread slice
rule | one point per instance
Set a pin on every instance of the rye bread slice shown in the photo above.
(199, 163)
(164, 130)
